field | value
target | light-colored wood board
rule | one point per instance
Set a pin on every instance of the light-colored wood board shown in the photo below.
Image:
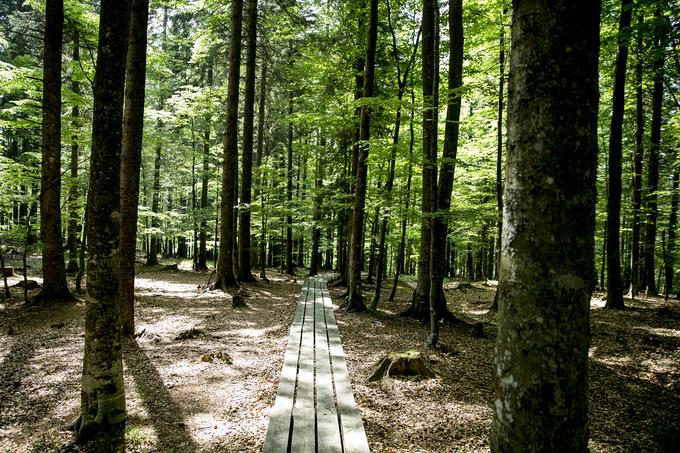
(276, 439)
(327, 422)
(353, 434)
(304, 436)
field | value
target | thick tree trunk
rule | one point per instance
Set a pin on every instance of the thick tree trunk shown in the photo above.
(103, 391)
(131, 157)
(637, 171)
(419, 307)
(225, 278)
(547, 274)
(355, 300)
(53, 263)
(247, 171)
(446, 175)
(72, 241)
(614, 284)
(653, 167)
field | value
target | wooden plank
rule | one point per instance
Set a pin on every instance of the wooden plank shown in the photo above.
(276, 439)
(304, 435)
(353, 434)
(327, 426)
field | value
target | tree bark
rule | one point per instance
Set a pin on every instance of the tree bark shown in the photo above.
(72, 241)
(225, 278)
(401, 254)
(131, 157)
(614, 283)
(547, 263)
(402, 79)
(290, 267)
(53, 262)
(202, 263)
(355, 299)
(653, 166)
(103, 391)
(247, 171)
(447, 172)
(419, 307)
(637, 171)
(672, 225)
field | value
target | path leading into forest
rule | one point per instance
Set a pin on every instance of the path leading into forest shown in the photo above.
(315, 408)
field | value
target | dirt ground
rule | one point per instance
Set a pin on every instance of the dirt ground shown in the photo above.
(202, 376)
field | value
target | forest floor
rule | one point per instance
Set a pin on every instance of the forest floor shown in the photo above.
(202, 376)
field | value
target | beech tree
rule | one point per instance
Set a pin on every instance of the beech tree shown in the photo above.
(247, 169)
(355, 301)
(437, 301)
(614, 284)
(102, 407)
(547, 266)
(53, 263)
(131, 156)
(225, 267)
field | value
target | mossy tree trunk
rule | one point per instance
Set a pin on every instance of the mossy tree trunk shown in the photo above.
(102, 391)
(547, 263)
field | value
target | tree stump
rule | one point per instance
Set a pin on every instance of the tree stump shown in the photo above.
(409, 363)
(169, 267)
(7, 271)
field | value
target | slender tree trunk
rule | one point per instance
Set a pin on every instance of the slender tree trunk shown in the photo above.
(247, 171)
(290, 268)
(103, 391)
(637, 171)
(547, 275)
(72, 242)
(499, 155)
(672, 225)
(154, 247)
(401, 88)
(316, 228)
(225, 278)
(653, 168)
(202, 263)
(53, 263)
(437, 301)
(614, 284)
(355, 300)
(131, 157)
(260, 153)
(401, 254)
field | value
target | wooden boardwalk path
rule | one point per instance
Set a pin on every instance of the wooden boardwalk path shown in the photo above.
(315, 409)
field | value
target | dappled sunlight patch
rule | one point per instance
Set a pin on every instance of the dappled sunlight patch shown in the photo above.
(206, 427)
